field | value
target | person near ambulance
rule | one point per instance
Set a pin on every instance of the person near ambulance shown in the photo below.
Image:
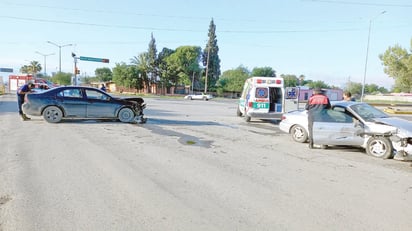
(21, 92)
(317, 105)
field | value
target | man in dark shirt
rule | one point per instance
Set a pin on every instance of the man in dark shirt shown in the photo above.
(21, 92)
(317, 104)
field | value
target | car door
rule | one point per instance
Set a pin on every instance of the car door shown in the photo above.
(71, 100)
(337, 128)
(99, 105)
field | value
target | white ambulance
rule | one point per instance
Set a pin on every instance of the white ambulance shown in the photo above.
(262, 98)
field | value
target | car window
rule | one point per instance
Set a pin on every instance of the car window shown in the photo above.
(92, 94)
(368, 112)
(70, 93)
(334, 116)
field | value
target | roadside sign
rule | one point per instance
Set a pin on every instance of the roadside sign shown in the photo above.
(84, 58)
(6, 69)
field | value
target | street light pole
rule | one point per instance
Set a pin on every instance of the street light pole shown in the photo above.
(60, 53)
(367, 54)
(44, 55)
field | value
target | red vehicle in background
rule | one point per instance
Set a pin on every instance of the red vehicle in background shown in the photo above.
(41, 81)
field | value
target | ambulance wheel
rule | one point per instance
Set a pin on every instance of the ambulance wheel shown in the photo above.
(247, 118)
(299, 134)
(238, 113)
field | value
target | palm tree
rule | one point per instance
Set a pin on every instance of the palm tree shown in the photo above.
(33, 68)
(142, 64)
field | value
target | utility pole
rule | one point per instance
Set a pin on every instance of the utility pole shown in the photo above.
(60, 52)
(207, 66)
(44, 55)
(367, 54)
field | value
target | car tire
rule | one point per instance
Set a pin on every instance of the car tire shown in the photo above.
(52, 114)
(205, 98)
(238, 112)
(248, 118)
(299, 134)
(380, 147)
(126, 115)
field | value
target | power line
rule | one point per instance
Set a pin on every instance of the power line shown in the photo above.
(97, 25)
(360, 3)
(182, 30)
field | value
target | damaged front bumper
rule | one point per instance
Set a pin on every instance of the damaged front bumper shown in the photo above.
(402, 147)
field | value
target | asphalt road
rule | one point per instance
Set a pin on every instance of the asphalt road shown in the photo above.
(193, 166)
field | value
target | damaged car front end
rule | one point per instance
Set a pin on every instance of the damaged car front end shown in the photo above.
(401, 139)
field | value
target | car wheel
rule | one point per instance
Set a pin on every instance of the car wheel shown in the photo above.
(238, 112)
(126, 115)
(52, 114)
(189, 98)
(247, 118)
(380, 147)
(205, 99)
(299, 134)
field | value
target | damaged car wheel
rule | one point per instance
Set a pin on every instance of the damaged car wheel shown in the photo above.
(126, 115)
(380, 147)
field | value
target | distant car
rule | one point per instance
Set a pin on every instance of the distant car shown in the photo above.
(199, 96)
(354, 124)
(46, 82)
(60, 103)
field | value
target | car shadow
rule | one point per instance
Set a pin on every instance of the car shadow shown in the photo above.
(182, 122)
(345, 148)
(9, 106)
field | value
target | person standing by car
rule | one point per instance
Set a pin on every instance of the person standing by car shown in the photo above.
(347, 96)
(103, 87)
(21, 92)
(317, 105)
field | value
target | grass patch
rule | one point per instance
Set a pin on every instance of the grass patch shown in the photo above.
(190, 142)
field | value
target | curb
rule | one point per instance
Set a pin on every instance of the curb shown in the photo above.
(392, 110)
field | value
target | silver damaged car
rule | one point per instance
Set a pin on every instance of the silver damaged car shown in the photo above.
(354, 124)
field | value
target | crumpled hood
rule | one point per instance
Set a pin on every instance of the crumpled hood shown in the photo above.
(403, 125)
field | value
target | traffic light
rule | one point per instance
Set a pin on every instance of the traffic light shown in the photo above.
(105, 60)
(76, 71)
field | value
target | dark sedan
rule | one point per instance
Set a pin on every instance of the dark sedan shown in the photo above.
(83, 102)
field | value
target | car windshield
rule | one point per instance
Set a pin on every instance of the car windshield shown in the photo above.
(368, 112)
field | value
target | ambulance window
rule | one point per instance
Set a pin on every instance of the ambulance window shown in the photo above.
(261, 92)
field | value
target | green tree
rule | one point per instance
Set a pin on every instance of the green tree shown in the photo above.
(120, 74)
(62, 78)
(263, 71)
(143, 66)
(302, 80)
(33, 68)
(290, 80)
(354, 88)
(103, 74)
(318, 83)
(152, 61)
(184, 64)
(210, 58)
(398, 65)
(371, 88)
(164, 72)
(127, 76)
(233, 80)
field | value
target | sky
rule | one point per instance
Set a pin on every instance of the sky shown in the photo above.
(324, 40)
